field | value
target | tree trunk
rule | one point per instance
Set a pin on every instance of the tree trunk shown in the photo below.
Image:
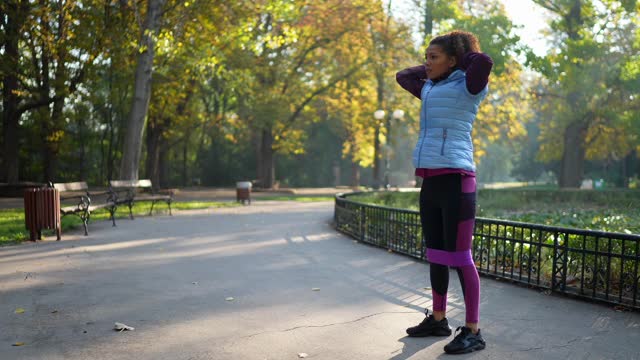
(627, 168)
(154, 132)
(428, 20)
(14, 21)
(573, 154)
(52, 141)
(163, 168)
(84, 141)
(135, 127)
(185, 173)
(266, 168)
(355, 175)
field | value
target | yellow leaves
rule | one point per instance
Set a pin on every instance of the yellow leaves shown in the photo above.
(19, 311)
(605, 141)
(631, 69)
(504, 112)
(55, 136)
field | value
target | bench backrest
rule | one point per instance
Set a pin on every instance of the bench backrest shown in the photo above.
(146, 183)
(73, 186)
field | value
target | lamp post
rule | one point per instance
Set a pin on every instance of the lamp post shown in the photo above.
(378, 115)
(397, 115)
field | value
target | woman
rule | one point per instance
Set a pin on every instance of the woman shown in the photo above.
(451, 84)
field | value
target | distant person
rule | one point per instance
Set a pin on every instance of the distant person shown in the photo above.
(451, 84)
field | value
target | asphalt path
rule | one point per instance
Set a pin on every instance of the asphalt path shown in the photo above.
(272, 280)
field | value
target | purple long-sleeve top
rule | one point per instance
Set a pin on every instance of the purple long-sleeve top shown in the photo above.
(477, 67)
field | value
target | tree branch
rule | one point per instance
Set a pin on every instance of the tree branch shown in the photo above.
(319, 91)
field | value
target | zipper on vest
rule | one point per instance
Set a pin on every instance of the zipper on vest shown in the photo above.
(425, 124)
(444, 140)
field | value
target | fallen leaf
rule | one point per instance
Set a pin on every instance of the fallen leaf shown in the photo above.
(229, 298)
(302, 355)
(195, 283)
(54, 312)
(122, 327)
(390, 250)
(18, 344)
(19, 311)
(315, 289)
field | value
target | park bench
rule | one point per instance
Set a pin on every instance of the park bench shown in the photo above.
(128, 192)
(76, 199)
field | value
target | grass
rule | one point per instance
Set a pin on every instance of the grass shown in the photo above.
(13, 230)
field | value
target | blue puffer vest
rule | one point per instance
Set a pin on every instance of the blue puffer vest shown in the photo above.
(446, 120)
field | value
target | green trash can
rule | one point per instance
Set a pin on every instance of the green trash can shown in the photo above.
(598, 184)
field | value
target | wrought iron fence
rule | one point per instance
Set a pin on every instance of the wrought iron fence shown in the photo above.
(596, 265)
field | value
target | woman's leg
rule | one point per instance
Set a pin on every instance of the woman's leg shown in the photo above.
(468, 273)
(439, 275)
(470, 282)
(431, 217)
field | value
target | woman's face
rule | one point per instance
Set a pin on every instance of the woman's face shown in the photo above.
(438, 62)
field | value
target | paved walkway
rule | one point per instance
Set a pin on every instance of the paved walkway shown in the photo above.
(267, 281)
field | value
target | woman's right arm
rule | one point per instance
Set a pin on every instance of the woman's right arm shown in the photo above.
(412, 79)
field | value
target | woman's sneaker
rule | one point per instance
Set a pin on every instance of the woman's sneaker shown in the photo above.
(465, 342)
(430, 327)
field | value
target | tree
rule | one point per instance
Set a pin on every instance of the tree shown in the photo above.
(54, 56)
(584, 79)
(287, 64)
(132, 147)
(13, 22)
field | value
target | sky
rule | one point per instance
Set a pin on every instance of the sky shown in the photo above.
(522, 12)
(533, 18)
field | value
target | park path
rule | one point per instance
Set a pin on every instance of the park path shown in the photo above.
(267, 281)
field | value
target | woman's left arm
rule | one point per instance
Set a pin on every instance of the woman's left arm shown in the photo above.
(478, 67)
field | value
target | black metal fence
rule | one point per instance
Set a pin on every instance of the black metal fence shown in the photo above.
(596, 265)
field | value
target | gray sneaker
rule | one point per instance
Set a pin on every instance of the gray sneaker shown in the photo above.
(465, 342)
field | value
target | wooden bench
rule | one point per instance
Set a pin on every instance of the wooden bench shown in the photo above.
(76, 199)
(128, 192)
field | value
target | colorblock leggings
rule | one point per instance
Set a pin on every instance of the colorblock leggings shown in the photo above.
(447, 212)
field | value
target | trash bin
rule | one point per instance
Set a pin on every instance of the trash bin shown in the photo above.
(41, 211)
(243, 191)
(598, 184)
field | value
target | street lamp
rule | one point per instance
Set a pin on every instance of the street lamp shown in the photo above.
(398, 114)
(378, 115)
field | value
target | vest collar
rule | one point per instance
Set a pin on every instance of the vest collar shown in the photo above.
(456, 74)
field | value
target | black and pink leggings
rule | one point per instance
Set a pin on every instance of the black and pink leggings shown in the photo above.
(447, 211)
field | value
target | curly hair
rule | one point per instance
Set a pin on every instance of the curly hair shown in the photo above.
(457, 43)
